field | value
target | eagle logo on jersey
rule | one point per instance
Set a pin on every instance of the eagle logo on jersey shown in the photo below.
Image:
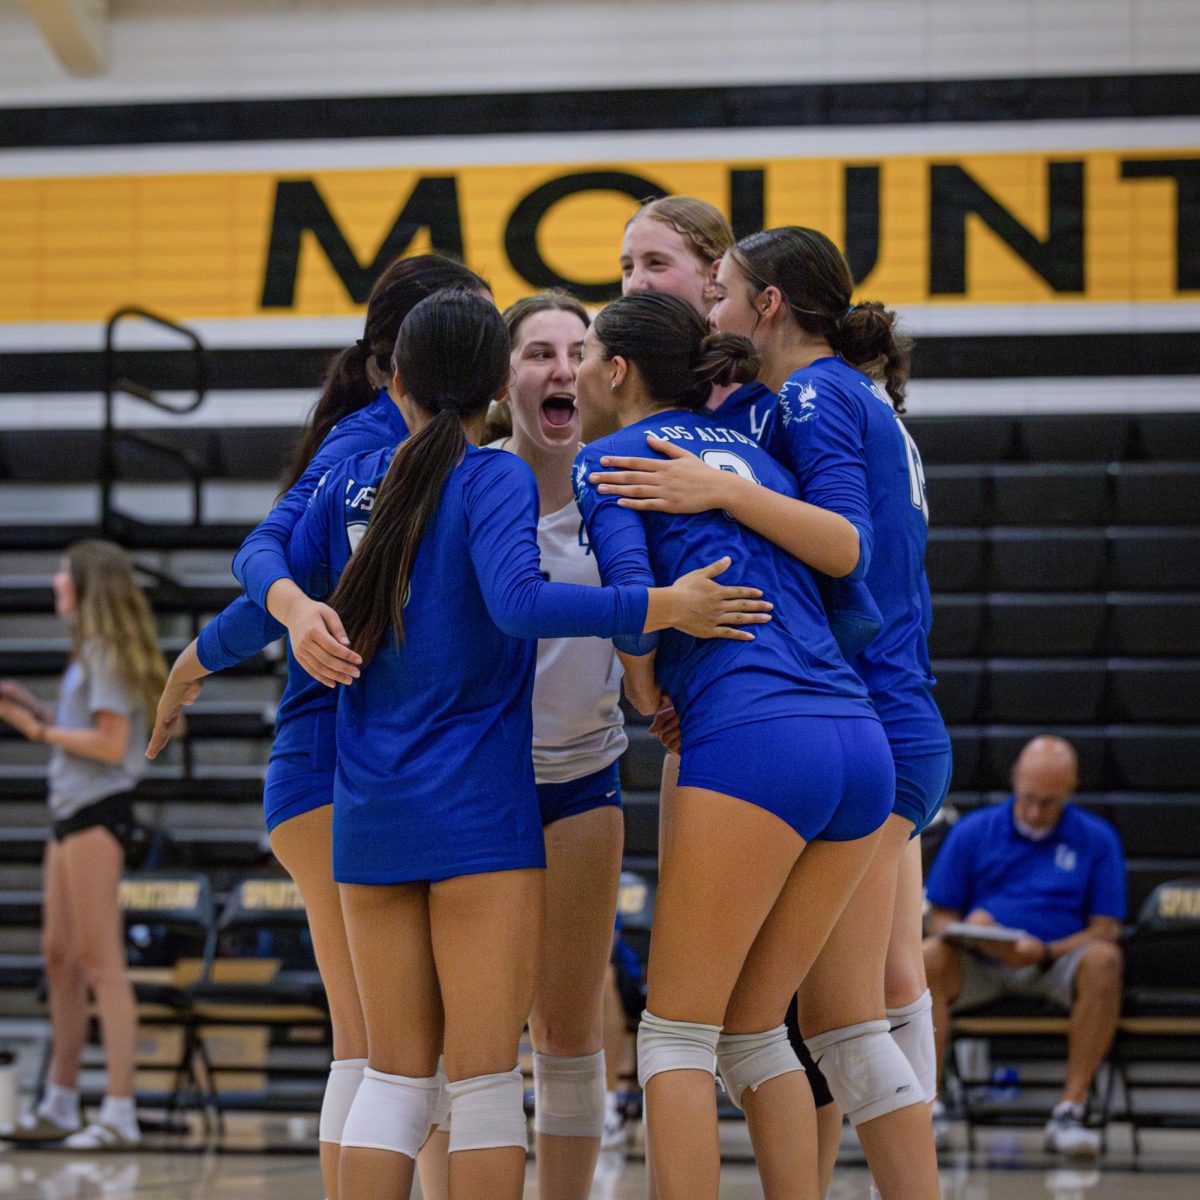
(796, 402)
(581, 477)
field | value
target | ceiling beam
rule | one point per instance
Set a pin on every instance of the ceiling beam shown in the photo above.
(77, 31)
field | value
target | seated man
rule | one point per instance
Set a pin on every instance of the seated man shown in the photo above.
(1057, 873)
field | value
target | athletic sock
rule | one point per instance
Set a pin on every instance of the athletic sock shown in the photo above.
(120, 1113)
(60, 1105)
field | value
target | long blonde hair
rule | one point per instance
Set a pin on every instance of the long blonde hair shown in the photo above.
(111, 609)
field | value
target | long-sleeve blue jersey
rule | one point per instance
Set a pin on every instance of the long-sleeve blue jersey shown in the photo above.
(793, 667)
(302, 747)
(262, 558)
(746, 409)
(434, 740)
(833, 424)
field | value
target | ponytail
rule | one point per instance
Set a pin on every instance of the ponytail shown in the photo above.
(499, 422)
(722, 359)
(814, 278)
(868, 339)
(679, 361)
(345, 389)
(348, 384)
(373, 589)
(452, 355)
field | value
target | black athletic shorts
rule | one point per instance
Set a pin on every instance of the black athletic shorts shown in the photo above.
(114, 813)
(820, 1089)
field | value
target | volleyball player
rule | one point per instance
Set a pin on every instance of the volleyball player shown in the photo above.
(674, 245)
(789, 290)
(578, 736)
(355, 413)
(785, 776)
(438, 845)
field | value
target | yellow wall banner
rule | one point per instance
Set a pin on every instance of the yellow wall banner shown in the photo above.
(1022, 228)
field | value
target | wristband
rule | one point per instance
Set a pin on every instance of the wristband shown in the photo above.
(1047, 956)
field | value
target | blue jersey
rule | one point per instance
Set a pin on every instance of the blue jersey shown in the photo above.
(793, 667)
(262, 558)
(746, 410)
(435, 739)
(838, 431)
(1050, 888)
(303, 746)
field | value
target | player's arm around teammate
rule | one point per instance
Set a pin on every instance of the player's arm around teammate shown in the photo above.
(577, 740)
(789, 290)
(785, 774)
(355, 414)
(675, 245)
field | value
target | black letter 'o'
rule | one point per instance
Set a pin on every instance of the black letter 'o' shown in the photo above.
(520, 236)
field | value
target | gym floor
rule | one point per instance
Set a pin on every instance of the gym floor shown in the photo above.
(1007, 1165)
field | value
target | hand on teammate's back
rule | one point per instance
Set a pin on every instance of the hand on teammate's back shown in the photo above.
(706, 609)
(679, 483)
(319, 642)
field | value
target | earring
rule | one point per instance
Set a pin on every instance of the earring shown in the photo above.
(612, 386)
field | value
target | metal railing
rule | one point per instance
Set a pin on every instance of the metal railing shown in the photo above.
(118, 384)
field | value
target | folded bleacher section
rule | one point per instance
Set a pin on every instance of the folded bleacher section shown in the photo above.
(1064, 558)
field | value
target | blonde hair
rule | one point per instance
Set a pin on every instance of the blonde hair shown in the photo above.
(703, 225)
(111, 610)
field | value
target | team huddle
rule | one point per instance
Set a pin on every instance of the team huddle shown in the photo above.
(492, 518)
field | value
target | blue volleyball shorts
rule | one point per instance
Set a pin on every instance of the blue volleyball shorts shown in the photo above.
(829, 778)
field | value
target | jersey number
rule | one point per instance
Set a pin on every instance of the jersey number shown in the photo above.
(916, 473)
(726, 460)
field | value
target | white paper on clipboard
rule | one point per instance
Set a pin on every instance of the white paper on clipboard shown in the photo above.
(965, 931)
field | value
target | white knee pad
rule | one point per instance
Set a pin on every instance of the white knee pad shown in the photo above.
(748, 1060)
(391, 1112)
(441, 1114)
(664, 1045)
(487, 1111)
(912, 1031)
(568, 1094)
(345, 1074)
(867, 1074)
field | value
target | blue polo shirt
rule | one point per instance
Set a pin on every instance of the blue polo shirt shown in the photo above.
(1050, 888)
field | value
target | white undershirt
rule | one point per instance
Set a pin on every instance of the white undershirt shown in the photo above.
(578, 726)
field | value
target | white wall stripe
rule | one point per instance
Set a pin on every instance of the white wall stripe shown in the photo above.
(925, 320)
(591, 148)
(244, 409)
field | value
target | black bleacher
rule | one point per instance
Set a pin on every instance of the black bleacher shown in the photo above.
(1064, 560)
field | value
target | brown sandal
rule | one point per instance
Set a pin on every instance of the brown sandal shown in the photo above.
(36, 1128)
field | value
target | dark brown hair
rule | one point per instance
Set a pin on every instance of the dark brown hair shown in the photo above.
(679, 360)
(499, 422)
(452, 355)
(347, 385)
(815, 280)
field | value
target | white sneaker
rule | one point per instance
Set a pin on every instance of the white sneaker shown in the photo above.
(943, 1126)
(613, 1137)
(1067, 1134)
(98, 1136)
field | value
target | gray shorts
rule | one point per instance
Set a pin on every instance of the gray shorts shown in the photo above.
(985, 980)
